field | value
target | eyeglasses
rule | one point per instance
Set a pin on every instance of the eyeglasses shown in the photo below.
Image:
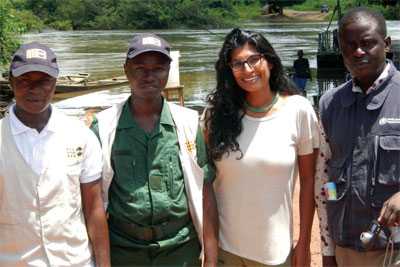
(251, 61)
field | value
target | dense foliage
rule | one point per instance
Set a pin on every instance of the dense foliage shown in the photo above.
(390, 12)
(133, 14)
(9, 29)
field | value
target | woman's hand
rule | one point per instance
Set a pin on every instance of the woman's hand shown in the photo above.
(301, 255)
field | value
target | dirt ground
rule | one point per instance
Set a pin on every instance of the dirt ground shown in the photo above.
(290, 15)
(316, 259)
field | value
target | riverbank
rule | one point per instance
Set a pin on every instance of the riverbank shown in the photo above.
(290, 15)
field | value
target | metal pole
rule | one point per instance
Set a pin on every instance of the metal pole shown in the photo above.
(339, 9)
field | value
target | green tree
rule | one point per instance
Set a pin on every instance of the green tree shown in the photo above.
(29, 21)
(134, 14)
(10, 28)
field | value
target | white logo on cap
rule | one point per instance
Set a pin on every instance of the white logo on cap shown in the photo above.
(384, 121)
(36, 53)
(151, 41)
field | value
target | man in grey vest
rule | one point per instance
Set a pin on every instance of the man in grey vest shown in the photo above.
(361, 120)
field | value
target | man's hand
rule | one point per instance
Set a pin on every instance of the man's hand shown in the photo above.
(390, 212)
(96, 222)
(329, 261)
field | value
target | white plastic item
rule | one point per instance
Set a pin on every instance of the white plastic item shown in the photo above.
(173, 79)
(395, 231)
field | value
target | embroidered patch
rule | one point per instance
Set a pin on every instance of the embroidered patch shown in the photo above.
(151, 41)
(190, 146)
(36, 53)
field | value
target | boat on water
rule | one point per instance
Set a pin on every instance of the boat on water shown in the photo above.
(81, 82)
(74, 78)
(65, 86)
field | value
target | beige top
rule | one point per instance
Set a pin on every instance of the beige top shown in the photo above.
(254, 193)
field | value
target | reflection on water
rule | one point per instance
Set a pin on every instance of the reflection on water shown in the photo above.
(102, 53)
(326, 81)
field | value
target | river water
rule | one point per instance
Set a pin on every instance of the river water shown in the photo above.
(102, 53)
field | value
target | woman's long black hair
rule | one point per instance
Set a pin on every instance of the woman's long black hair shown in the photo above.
(224, 117)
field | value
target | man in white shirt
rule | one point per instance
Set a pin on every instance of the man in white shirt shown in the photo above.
(51, 209)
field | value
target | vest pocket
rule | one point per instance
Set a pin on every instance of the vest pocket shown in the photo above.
(386, 176)
(337, 175)
(338, 207)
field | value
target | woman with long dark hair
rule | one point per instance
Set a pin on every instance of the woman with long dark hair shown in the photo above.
(261, 136)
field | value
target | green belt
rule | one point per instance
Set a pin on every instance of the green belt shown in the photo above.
(149, 233)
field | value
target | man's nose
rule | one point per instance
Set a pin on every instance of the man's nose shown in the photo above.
(359, 52)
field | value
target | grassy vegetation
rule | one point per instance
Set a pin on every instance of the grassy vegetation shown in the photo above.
(249, 11)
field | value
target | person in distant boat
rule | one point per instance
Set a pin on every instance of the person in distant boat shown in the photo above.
(157, 178)
(358, 174)
(302, 72)
(51, 208)
(261, 137)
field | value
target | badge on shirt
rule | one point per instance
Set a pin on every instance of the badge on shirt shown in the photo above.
(74, 154)
(190, 146)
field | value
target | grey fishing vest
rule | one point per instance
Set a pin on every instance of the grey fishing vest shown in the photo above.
(364, 137)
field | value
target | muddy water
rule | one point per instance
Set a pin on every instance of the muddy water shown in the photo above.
(102, 53)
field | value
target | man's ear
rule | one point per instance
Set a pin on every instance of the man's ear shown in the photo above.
(11, 79)
(126, 68)
(388, 43)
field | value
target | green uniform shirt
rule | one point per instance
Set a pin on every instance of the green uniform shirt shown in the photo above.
(148, 186)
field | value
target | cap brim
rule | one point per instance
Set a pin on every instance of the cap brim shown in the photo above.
(135, 54)
(34, 67)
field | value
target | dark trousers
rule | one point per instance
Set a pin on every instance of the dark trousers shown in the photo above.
(183, 255)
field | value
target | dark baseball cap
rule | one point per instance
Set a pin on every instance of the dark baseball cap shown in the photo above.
(34, 57)
(147, 42)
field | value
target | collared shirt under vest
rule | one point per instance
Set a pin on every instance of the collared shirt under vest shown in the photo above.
(41, 218)
(185, 123)
(364, 137)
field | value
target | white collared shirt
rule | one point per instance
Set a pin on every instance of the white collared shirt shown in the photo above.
(384, 75)
(36, 148)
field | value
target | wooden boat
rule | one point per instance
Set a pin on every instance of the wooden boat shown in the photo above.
(74, 78)
(77, 85)
(74, 83)
(65, 86)
(69, 86)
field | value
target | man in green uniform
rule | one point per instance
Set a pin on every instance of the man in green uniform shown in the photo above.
(157, 178)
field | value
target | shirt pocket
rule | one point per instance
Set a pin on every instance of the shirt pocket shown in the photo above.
(386, 173)
(173, 173)
(124, 165)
